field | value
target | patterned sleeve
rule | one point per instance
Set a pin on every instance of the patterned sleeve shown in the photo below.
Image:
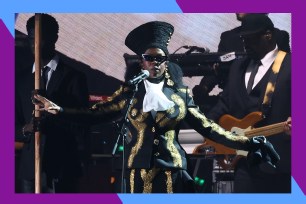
(198, 121)
(105, 111)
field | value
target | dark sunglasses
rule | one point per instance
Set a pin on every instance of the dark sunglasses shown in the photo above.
(157, 58)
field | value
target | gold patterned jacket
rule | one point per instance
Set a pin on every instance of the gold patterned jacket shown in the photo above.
(154, 142)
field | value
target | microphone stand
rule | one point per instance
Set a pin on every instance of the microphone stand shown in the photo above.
(122, 133)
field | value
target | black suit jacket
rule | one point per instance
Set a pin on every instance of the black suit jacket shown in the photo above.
(236, 102)
(67, 87)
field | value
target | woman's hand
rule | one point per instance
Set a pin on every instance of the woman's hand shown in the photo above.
(46, 105)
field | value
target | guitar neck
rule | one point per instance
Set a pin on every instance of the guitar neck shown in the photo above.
(266, 131)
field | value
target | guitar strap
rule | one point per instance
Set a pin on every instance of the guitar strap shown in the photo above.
(266, 105)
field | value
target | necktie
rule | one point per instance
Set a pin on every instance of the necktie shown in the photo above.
(44, 77)
(252, 76)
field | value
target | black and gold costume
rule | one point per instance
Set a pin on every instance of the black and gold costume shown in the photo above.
(155, 160)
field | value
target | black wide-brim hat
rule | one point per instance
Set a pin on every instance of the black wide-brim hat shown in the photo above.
(155, 34)
(255, 23)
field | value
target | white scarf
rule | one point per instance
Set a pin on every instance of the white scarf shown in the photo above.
(155, 99)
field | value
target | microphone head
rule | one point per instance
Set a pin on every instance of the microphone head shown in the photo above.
(141, 76)
(146, 72)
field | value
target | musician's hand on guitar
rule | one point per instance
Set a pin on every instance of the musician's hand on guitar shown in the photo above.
(46, 105)
(287, 126)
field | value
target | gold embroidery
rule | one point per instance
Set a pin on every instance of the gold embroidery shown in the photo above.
(132, 180)
(110, 98)
(184, 90)
(140, 126)
(167, 75)
(168, 78)
(162, 119)
(170, 82)
(115, 107)
(147, 178)
(109, 107)
(134, 112)
(159, 116)
(182, 107)
(215, 127)
(171, 110)
(169, 182)
(177, 159)
(117, 93)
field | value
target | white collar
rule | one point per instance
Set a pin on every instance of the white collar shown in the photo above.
(155, 99)
(269, 58)
(52, 64)
(149, 85)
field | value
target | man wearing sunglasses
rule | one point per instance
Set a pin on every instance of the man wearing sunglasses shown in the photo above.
(155, 161)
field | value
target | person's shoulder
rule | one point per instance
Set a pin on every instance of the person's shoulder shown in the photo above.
(176, 73)
(282, 39)
(175, 66)
(277, 30)
(234, 31)
(240, 64)
(288, 57)
(282, 35)
(69, 69)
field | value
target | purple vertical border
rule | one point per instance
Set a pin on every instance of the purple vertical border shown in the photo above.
(7, 144)
(7, 102)
(298, 72)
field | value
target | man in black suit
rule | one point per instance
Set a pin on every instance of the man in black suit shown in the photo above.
(61, 166)
(230, 41)
(260, 42)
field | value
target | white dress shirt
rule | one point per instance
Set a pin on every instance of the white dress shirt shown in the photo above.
(266, 63)
(52, 64)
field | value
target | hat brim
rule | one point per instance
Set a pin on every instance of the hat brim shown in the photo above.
(251, 32)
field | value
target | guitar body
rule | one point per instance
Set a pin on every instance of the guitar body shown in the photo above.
(228, 122)
(240, 127)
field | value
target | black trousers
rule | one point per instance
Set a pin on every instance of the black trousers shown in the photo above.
(50, 185)
(248, 180)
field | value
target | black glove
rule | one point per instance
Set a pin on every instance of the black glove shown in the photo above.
(262, 154)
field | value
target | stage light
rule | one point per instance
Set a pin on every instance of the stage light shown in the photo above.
(199, 181)
(120, 148)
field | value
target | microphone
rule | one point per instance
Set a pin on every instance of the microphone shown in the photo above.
(195, 48)
(141, 76)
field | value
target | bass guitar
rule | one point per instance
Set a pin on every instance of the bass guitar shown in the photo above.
(240, 127)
